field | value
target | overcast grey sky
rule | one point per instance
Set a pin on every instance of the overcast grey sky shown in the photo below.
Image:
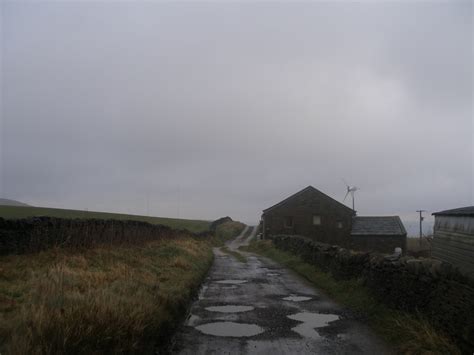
(215, 109)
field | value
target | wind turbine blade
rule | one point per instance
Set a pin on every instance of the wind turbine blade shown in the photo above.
(347, 193)
(345, 182)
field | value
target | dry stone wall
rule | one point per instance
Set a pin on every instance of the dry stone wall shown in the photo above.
(218, 222)
(36, 234)
(435, 289)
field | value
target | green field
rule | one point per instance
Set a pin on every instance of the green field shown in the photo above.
(15, 212)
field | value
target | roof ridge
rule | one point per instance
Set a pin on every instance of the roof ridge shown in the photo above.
(309, 187)
(467, 210)
(289, 197)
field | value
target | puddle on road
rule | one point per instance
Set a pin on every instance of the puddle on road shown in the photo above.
(295, 298)
(192, 320)
(230, 309)
(230, 329)
(232, 282)
(310, 322)
(202, 291)
(273, 274)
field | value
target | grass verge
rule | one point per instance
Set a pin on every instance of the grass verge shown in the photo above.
(18, 212)
(408, 333)
(234, 253)
(103, 300)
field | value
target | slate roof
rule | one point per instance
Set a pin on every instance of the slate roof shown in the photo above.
(386, 225)
(463, 211)
(306, 189)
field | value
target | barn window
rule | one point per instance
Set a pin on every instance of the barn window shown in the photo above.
(316, 220)
(339, 225)
(288, 222)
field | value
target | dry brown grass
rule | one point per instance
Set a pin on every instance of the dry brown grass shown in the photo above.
(420, 337)
(104, 300)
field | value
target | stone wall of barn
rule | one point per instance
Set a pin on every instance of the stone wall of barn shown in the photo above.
(433, 288)
(302, 208)
(36, 234)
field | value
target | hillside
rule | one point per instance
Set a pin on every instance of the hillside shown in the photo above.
(17, 212)
(8, 202)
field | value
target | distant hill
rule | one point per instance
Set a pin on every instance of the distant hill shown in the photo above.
(24, 211)
(7, 202)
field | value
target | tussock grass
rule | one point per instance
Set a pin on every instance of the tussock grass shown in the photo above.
(408, 333)
(104, 300)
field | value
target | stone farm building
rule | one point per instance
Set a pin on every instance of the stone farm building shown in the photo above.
(453, 239)
(314, 214)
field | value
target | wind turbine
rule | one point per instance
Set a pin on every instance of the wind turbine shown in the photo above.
(350, 190)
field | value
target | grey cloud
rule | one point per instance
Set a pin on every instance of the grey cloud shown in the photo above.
(234, 106)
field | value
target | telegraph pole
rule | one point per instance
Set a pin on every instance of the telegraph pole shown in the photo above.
(179, 200)
(421, 224)
(148, 205)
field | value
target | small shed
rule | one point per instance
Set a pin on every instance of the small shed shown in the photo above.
(453, 239)
(378, 233)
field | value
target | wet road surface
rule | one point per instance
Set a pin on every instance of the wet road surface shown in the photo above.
(259, 307)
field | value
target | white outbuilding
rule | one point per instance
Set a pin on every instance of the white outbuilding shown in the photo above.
(453, 239)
